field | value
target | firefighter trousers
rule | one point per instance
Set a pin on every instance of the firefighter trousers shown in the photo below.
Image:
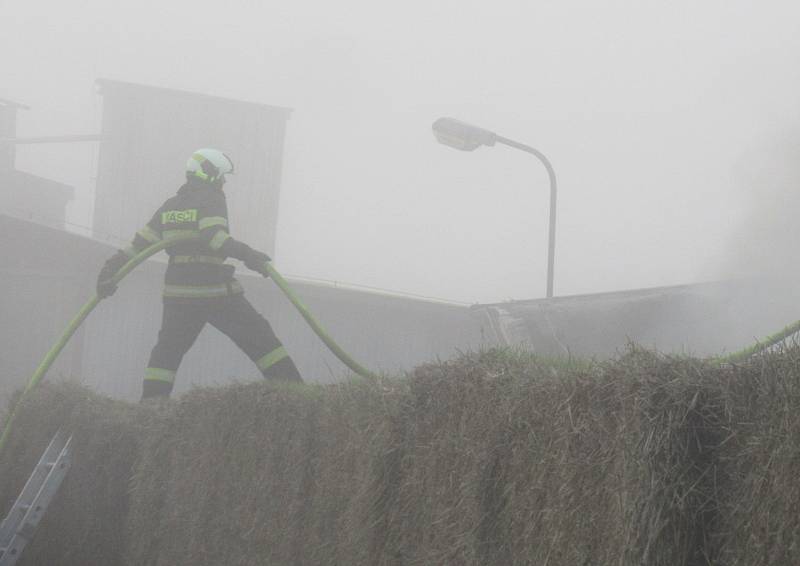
(232, 315)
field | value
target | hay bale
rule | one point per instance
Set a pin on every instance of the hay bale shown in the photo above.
(565, 474)
(680, 413)
(761, 524)
(259, 474)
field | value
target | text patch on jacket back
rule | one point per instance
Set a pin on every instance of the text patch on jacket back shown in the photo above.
(179, 216)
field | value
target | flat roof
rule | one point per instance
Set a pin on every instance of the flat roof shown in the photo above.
(12, 104)
(583, 298)
(17, 176)
(104, 84)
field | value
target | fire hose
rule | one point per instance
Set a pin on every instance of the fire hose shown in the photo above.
(760, 346)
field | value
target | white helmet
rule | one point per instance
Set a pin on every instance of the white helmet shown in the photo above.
(210, 165)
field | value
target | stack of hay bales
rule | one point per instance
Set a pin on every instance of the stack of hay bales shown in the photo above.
(493, 458)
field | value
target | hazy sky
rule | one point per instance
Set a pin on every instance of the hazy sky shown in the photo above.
(663, 121)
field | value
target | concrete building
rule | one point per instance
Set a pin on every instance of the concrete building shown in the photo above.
(24, 194)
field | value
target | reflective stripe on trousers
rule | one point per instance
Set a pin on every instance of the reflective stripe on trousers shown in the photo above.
(158, 374)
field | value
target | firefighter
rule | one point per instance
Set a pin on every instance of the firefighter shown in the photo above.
(199, 287)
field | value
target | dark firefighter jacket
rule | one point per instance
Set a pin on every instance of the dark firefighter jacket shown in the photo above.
(196, 269)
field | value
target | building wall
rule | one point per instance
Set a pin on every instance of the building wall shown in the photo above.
(29, 196)
(8, 129)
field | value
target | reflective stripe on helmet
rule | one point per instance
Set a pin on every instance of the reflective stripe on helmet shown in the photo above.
(209, 164)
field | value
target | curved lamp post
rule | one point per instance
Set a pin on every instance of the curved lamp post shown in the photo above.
(466, 137)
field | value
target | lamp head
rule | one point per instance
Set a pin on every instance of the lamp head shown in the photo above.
(460, 135)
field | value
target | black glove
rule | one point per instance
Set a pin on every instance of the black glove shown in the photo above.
(256, 260)
(105, 286)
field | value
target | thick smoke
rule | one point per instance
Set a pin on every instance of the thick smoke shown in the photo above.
(763, 259)
(765, 243)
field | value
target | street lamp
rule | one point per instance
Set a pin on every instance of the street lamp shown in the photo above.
(466, 137)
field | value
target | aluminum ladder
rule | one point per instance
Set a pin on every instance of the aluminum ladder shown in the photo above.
(18, 527)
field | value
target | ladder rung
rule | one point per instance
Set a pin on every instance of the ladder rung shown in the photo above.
(18, 528)
(27, 530)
